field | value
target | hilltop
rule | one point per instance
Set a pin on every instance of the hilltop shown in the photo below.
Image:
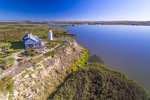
(34, 74)
(98, 82)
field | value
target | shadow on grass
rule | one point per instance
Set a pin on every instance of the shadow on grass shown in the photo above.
(51, 96)
(17, 45)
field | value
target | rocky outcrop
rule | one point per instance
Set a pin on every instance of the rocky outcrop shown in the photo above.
(38, 81)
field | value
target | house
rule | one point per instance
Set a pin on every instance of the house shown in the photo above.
(31, 41)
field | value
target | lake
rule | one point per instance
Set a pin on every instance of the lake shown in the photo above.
(122, 47)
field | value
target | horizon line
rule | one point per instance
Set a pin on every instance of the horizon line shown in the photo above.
(22, 20)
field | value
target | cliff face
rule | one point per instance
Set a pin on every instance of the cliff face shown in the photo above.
(38, 81)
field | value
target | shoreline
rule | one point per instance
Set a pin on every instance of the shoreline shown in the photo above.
(133, 23)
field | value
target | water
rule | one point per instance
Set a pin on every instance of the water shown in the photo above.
(124, 48)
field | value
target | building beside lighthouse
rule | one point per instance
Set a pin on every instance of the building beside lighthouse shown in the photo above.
(50, 35)
(31, 41)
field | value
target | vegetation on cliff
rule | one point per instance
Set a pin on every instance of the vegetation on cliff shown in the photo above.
(78, 64)
(96, 81)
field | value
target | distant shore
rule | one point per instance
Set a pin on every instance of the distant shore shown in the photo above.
(140, 23)
(136, 23)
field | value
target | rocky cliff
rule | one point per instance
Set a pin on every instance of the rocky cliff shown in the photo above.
(42, 77)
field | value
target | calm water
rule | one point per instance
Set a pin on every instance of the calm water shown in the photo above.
(124, 48)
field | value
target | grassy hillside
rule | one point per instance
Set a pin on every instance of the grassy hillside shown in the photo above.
(95, 81)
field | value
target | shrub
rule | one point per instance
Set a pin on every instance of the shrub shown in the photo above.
(6, 84)
(81, 61)
(6, 63)
(50, 53)
(11, 60)
(36, 66)
(30, 53)
(26, 72)
(10, 51)
(93, 82)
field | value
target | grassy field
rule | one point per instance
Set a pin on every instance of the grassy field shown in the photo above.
(15, 32)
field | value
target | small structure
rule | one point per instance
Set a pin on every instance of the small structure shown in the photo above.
(50, 35)
(31, 41)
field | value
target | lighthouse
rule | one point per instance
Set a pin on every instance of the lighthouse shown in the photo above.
(50, 35)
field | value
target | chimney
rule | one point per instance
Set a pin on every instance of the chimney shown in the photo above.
(30, 35)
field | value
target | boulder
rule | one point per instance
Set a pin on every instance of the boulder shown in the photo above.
(26, 76)
(27, 95)
(33, 75)
(15, 93)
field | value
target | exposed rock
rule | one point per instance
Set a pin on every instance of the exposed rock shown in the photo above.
(4, 97)
(55, 56)
(15, 93)
(36, 91)
(27, 95)
(26, 76)
(33, 75)
(51, 72)
(42, 83)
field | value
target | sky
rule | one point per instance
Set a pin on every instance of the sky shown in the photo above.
(92, 10)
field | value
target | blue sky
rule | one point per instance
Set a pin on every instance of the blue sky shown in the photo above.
(75, 10)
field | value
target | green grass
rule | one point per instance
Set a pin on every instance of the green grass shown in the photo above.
(15, 32)
(36, 66)
(30, 53)
(5, 62)
(3, 55)
(6, 84)
(37, 59)
(5, 44)
(51, 44)
(80, 62)
(50, 53)
(13, 46)
(26, 72)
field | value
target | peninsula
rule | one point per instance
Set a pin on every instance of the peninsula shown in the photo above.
(57, 70)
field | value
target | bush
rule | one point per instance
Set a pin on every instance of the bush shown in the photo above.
(30, 53)
(50, 53)
(80, 62)
(3, 55)
(6, 63)
(26, 72)
(11, 60)
(6, 84)
(10, 51)
(36, 66)
(94, 82)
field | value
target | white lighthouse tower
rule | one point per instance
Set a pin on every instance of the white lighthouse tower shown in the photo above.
(50, 35)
